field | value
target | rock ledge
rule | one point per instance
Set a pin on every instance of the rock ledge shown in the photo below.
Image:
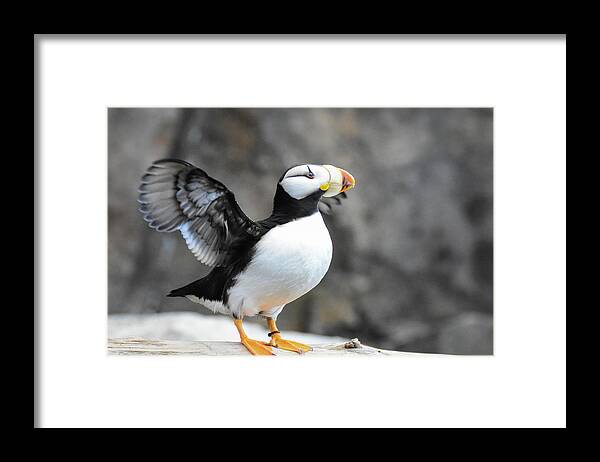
(141, 346)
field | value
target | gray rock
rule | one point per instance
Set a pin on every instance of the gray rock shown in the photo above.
(468, 334)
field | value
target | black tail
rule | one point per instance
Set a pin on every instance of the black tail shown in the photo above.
(177, 293)
(210, 287)
(190, 289)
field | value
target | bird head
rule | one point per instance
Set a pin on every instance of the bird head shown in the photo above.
(325, 180)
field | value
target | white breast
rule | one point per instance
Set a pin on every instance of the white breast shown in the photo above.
(290, 260)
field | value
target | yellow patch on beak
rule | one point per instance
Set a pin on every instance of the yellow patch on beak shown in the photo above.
(324, 187)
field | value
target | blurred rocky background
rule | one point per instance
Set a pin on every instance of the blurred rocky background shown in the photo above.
(413, 243)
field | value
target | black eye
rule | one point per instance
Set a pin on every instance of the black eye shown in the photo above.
(310, 175)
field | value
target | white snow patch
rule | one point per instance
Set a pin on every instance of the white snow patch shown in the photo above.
(191, 326)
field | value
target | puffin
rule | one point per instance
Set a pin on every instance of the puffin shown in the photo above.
(258, 266)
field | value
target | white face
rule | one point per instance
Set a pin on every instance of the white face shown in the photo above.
(304, 180)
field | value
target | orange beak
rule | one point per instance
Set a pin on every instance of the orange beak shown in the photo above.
(339, 181)
(348, 181)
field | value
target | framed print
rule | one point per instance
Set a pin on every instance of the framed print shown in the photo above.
(354, 231)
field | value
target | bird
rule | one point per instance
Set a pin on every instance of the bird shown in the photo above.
(258, 266)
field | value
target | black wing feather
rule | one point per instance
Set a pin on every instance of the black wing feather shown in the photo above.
(177, 196)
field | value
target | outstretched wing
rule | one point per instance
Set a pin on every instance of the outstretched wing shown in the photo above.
(175, 195)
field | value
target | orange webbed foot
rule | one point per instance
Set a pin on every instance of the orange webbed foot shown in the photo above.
(283, 344)
(289, 345)
(257, 348)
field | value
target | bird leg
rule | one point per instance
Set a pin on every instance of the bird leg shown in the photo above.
(253, 346)
(278, 342)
